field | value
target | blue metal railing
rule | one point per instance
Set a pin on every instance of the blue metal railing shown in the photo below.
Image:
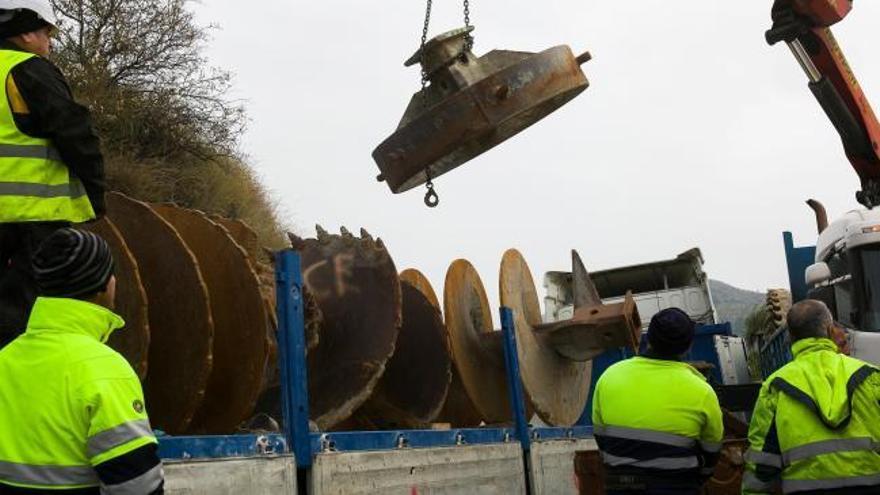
(305, 444)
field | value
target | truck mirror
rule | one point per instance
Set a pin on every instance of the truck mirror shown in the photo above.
(818, 273)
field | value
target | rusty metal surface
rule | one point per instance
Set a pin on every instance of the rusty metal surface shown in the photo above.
(595, 327)
(420, 282)
(358, 291)
(244, 235)
(181, 330)
(241, 343)
(132, 341)
(556, 387)
(475, 346)
(589, 473)
(472, 105)
(413, 388)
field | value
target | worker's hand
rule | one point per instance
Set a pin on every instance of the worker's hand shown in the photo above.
(787, 25)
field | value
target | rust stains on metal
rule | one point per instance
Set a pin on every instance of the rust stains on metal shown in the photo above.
(181, 328)
(133, 341)
(241, 344)
(413, 388)
(556, 386)
(358, 292)
(595, 327)
(475, 345)
(473, 104)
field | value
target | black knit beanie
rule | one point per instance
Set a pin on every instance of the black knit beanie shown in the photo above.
(72, 263)
(19, 21)
(671, 332)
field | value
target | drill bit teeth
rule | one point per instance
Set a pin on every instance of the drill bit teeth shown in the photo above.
(321, 233)
(296, 242)
(199, 299)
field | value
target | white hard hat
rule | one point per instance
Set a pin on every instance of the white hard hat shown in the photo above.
(43, 9)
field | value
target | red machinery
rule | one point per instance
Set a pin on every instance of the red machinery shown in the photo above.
(804, 26)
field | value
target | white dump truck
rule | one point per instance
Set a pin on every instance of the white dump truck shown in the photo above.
(678, 282)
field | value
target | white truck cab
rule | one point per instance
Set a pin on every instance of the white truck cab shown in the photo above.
(846, 276)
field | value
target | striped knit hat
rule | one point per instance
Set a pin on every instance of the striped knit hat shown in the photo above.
(72, 263)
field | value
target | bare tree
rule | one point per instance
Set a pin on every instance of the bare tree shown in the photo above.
(169, 130)
(140, 66)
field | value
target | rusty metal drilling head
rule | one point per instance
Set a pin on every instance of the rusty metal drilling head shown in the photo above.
(473, 104)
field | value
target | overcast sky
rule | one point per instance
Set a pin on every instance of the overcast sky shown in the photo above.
(693, 132)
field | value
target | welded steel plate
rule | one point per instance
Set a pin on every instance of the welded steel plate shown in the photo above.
(525, 88)
(594, 327)
(476, 348)
(132, 341)
(413, 388)
(241, 346)
(556, 387)
(356, 285)
(181, 330)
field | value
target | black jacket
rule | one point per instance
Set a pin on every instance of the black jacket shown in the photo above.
(54, 115)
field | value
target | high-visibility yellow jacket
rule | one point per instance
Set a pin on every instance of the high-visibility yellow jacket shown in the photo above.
(72, 410)
(35, 185)
(816, 425)
(658, 421)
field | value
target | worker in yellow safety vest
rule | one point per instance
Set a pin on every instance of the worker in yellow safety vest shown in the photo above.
(72, 414)
(51, 167)
(816, 425)
(655, 418)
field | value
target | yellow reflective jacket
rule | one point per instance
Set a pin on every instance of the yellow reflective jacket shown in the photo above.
(816, 425)
(68, 403)
(35, 185)
(657, 419)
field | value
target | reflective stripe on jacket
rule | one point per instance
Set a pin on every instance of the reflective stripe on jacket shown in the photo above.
(816, 424)
(69, 404)
(657, 418)
(35, 185)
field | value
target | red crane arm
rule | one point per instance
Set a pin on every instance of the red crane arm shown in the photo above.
(805, 26)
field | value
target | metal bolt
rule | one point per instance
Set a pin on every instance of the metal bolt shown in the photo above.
(264, 446)
(502, 92)
(402, 442)
(327, 445)
(584, 58)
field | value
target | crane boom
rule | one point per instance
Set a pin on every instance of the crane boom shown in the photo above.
(805, 26)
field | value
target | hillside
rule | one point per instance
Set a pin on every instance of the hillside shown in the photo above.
(733, 304)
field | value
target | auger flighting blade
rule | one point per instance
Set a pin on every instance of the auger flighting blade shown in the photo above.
(585, 292)
(555, 386)
(595, 327)
(181, 328)
(132, 341)
(241, 344)
(476, 349)
(413, 388)
(358, 292)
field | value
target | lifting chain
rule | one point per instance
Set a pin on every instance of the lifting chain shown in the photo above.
(431, 197)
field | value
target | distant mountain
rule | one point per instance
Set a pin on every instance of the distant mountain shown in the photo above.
(733, 304)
